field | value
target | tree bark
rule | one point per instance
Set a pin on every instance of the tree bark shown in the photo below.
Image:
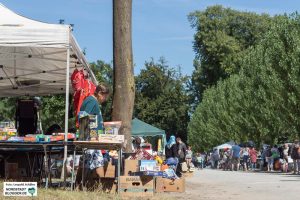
(124, 87)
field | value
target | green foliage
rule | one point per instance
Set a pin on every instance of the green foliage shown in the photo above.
(161, 99)
(222, 35)
(104, 73)
(7, 109)
(53, 111)
(260, 103)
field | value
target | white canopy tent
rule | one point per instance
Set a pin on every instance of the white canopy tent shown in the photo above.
(223, 146)
(37, 58)
(33, 56)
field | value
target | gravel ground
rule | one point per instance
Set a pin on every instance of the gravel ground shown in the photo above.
(210, 184)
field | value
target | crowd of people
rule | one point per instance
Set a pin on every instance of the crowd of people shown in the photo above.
(181, 158)
(285, 158)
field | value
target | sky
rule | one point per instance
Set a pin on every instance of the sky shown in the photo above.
(160, 28)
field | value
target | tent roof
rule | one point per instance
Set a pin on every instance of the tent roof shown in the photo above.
(224, 146)
(140, 128)
(33, 56)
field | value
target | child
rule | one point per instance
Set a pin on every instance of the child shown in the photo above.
(188, 157)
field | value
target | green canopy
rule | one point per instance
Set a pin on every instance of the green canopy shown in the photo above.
(140, 128)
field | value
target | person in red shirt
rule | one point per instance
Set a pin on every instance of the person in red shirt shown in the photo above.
(253, 158)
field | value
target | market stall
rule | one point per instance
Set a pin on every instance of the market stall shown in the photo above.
(38, 59)
(142, 129)
(34, 166)
(85, 145)
(145, 173)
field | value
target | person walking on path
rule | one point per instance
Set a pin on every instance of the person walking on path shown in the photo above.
(215, 159)
(226, 160)
(181, 153)
(275, 157)
(269, 159)
(245, 155)
(200, 160)
(189, 156)
(235, 157)
(295, 155)
(253, 158)
(285, 160)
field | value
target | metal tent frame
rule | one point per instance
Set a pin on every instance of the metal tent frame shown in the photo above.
(37, 59)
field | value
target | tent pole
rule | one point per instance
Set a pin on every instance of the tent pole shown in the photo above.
(64, 174)
(164, 144)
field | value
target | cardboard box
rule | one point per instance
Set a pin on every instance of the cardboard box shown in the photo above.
(107, 138)
(131, 166)
(169, 185)
(106, 185)
(108, 171)
(11, 170)
(136, 186)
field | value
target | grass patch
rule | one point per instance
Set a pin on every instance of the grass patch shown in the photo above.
(66, 194)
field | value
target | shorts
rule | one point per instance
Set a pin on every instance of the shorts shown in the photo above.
(245, 159)
(269, 160)
(235, 160)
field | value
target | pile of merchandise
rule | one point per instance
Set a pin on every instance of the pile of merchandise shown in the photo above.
(89, 133)
(7, 131)
(145, 174)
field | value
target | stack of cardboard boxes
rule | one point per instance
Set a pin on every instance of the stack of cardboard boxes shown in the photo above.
(143, 178)
(106, 176)
(132, 185)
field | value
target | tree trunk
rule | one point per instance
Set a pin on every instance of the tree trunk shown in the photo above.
(124, 87)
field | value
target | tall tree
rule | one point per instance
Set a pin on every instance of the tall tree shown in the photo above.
(161, 98)
(222, 35)
(260, 103)
(124, 87)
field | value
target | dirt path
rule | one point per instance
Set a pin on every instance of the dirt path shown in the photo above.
(220, 185)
